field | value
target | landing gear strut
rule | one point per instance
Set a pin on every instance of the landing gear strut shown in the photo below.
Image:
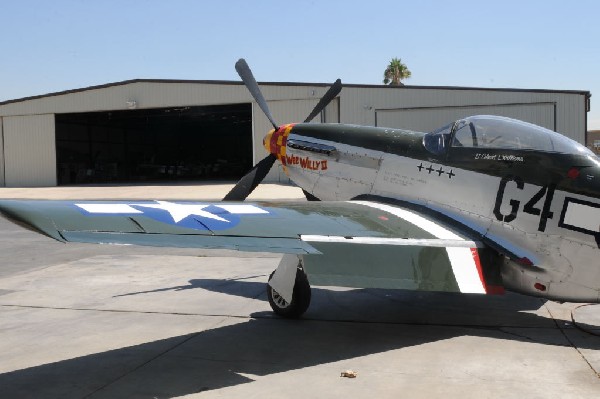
(300, 297)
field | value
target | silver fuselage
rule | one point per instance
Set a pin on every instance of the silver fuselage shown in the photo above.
(560, 261)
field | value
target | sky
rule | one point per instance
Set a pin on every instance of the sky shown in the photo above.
(50, 46)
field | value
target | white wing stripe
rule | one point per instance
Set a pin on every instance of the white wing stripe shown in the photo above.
(417, 220)
(465, 270)
(461, 259)
(423, 242)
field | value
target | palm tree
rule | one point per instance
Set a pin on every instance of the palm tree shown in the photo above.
(395, 72)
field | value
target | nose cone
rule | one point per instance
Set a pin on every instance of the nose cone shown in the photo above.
(267, 141)
(275, 141)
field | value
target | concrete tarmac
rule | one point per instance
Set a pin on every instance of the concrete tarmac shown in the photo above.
(98, 321)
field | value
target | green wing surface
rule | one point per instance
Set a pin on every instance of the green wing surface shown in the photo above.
(366, 239)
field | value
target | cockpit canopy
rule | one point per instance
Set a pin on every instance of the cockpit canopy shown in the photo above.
(497, 132)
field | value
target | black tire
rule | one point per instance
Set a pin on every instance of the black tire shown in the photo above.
(300, 298)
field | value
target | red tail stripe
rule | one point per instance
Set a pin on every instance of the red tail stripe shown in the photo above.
(489, 289)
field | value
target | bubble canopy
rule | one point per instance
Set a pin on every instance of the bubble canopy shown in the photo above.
(498, 132)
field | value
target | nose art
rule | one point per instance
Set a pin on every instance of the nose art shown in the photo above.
(275, 141)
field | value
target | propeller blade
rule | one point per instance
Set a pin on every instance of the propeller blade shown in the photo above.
(248, 183)
(333, 91)
(245, 73)
(309, 196)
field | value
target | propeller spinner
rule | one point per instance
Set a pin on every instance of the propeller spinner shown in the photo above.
(255, 176)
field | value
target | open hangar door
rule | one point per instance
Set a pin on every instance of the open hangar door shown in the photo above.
(183, 143)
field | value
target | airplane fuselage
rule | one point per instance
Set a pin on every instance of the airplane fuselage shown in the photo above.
(540, 210)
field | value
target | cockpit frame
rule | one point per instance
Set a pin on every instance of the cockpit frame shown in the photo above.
(490, 132)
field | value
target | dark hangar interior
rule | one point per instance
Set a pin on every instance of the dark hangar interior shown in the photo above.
(150, 145)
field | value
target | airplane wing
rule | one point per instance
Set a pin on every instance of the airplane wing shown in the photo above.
(368, 238)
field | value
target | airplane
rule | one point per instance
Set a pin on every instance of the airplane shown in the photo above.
(482, 205)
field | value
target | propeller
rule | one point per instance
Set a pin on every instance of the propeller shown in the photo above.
(245, 73)
(255, 176)
(248, 183)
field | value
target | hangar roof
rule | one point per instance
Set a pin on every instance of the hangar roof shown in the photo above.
(238, 83)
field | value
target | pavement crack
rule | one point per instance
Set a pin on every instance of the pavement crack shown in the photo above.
(270, 316)
(571, 342)
(125, 311)
(521, 336)
(143, 364)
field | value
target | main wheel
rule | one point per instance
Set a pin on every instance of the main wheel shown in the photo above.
(300, 298)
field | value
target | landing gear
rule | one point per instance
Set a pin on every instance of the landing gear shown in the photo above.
(300, 297)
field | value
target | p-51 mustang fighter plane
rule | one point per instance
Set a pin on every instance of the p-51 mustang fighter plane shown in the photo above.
(481, 205)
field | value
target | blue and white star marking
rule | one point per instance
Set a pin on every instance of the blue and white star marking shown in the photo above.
(199, 216)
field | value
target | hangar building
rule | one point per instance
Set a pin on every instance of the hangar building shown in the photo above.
(160, 130)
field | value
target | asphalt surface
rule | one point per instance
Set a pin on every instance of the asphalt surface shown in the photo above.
(97, 321)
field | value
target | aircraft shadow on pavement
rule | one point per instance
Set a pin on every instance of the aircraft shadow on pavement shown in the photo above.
(393, 306)
(238, 287)
(231, 355)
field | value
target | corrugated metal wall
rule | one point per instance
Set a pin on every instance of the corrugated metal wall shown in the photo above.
(431, 118)
(2, 184)
(29, 151)
(332, 112)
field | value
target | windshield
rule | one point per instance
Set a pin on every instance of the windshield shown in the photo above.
(497, 132)
(437, 141)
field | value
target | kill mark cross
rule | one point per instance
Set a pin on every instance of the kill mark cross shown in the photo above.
(440, 171)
